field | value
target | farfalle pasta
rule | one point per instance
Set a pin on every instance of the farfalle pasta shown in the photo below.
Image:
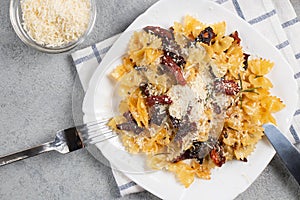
(192, 99)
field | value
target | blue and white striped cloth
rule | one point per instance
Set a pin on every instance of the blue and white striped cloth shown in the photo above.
(274, 18)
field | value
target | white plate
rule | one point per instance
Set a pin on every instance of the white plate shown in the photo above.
(232, 178)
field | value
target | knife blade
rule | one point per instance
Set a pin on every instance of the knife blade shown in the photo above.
(288, 153)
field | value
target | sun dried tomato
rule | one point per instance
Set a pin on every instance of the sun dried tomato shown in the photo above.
(217, 155)
(145, 88)
(235, 36)
(159, 99)
(245, 63)
(206, 36)
(174, 69)
(179, 60)
(229, 87)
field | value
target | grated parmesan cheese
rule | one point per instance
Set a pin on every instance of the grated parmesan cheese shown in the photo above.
(53, 23)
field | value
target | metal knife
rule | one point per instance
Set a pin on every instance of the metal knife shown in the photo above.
(288, 153)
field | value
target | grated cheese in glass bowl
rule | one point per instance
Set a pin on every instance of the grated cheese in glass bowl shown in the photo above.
(52, 26)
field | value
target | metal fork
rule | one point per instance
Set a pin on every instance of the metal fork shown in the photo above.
(66, 141)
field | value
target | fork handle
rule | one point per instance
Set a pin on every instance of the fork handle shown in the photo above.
(26, 153)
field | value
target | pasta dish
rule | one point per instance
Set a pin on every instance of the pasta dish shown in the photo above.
(192, 99)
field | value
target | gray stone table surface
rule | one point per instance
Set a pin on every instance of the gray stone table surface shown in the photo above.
(36, 100)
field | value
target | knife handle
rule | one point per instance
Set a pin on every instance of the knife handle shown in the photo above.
(288, 153)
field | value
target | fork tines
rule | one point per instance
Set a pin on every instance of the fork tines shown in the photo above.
(95, 132)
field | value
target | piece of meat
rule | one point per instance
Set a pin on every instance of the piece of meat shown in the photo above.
(130, 125)
(167, 37)
(157, 114)
(159, 32)
(194, 152)
(184, 128)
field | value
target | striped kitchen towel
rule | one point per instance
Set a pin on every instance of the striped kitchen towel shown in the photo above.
(274, 18)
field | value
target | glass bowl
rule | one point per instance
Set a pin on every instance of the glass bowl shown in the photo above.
(15, 13)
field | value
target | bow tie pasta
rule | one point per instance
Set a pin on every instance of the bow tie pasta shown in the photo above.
(192, 98)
